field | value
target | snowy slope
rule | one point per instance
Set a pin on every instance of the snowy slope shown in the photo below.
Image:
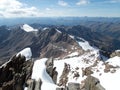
(28, 28)
(85, 45)
(26, 52)
(79, 61)
(39, 72)
(110, 81)
(75, 62)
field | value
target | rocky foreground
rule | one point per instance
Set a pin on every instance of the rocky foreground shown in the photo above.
(16, 74)
(42, 74)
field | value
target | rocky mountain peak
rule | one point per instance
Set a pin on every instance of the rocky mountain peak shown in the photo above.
(58, 44)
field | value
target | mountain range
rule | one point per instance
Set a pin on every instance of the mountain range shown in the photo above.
(59, 57)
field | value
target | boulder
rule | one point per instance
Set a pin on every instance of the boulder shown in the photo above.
(64, 77)
(51, 70)
(92, 83)
(49, 66)
(31, 84)
(73, 86)
(38, 85)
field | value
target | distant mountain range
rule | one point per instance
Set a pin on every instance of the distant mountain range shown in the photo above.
(55, 39)
(71, 21)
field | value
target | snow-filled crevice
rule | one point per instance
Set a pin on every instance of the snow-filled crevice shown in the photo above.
(39, 72)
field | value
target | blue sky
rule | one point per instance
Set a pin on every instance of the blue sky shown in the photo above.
(59, 8)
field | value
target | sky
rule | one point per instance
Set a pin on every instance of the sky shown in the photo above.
(59, 8)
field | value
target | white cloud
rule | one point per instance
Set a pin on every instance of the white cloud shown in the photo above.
(14, 8)
(48, 9)
(62, 3)
(83, 2)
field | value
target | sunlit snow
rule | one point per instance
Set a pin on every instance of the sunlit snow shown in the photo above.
(28, 28)
(26, 52)
(39, 72)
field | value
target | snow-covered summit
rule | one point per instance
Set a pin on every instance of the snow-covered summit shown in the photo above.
(28, 28)
(26, 52)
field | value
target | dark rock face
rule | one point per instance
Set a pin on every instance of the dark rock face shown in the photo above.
(34, 85)
(31, 84)
(92, 83)
(51, 70)
(15, 73)
(64, 77)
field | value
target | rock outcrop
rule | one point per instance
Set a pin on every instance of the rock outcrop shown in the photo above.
(34, 85)
(73, 86)
(51, 70)
(116, 53)
(15, 73)
(92, 83)
(64, 77)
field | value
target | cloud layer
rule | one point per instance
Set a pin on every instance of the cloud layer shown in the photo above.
(14, 8)
(62, 3)
(83, 2)
(44, 8)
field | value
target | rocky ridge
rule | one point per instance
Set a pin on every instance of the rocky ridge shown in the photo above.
(48, 43)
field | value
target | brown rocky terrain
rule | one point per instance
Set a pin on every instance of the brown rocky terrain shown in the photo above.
(48, 43)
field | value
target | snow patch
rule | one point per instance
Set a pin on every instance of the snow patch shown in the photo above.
(110, 81)
(85, 45)
(45, 28)
(39, 72)
(26, 52)
(117, 51)
(28, 28)
(73, 54)
(115, 61)
(58, 31)
(71, 36)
